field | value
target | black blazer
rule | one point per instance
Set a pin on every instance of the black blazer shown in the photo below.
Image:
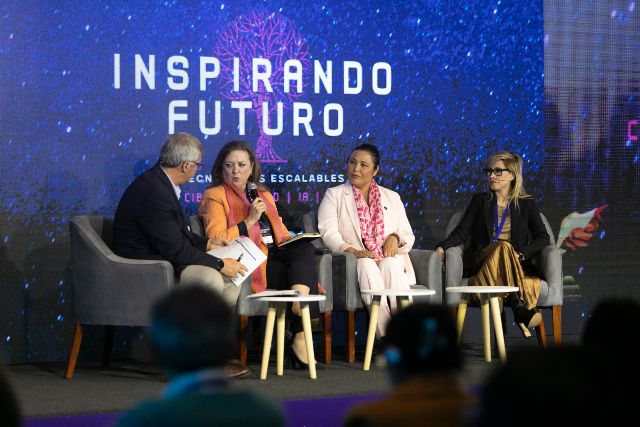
(150, 224)
(528, 233)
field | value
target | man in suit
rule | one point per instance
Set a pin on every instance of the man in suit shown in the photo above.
(150, 223)
(192, 335)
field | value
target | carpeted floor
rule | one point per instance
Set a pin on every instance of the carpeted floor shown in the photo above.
(42, 390)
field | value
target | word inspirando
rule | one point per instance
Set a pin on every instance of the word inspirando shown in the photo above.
(257, 87)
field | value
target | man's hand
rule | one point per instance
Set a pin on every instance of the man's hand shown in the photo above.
(216, 242)
(390, 246)
(232, 268)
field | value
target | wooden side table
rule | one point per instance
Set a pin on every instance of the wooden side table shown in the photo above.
(488, 297)
(403, 297)
(278, 305)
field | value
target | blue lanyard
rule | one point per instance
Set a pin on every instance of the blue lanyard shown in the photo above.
(497, 227)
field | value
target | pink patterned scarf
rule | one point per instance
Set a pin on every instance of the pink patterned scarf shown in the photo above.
(371, 220)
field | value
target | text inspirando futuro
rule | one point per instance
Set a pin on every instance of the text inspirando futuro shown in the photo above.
(260, 87)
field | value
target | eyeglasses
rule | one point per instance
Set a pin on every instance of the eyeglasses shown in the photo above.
(495, 171)
(198, 165)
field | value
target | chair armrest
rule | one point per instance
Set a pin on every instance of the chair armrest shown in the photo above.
(344, 275)
(325, 272)
(427, 266)
(549, 262)
(453, 273)
(119, 291)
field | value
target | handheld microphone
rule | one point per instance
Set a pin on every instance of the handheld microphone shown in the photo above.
(253, 193)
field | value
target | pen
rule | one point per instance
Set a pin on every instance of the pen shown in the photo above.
(240, 257)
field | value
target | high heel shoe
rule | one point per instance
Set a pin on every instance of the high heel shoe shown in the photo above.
(294, 361)
(526, 319)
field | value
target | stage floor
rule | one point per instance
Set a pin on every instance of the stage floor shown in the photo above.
(43, 392)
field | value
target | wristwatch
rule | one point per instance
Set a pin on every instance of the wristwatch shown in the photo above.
(218, 263)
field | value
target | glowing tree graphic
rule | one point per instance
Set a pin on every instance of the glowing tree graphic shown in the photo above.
(261, 35)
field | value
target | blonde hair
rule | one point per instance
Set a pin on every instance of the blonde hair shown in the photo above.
(513, 163)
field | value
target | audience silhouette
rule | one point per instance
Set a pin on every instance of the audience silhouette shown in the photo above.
(192, 332)
(422, 359)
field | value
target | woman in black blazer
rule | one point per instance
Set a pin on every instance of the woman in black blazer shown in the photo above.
(502, 230)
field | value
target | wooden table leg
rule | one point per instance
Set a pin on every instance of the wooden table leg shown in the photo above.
(486, 327)
(497, 326)
(403, 301)
(268, 335)
(308, 338)
(462, 311)
(280, 317)
(371, 334)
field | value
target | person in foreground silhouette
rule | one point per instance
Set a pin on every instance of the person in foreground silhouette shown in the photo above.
(611, 332)
(192, 333)
(559, 386)
(423, 361)
(9, 409)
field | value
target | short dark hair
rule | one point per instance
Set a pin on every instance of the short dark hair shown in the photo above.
(372, 150)
(192, 328)
(216, 169)
(421, 339)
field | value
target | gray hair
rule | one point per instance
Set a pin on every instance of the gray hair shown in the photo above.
(180, 147)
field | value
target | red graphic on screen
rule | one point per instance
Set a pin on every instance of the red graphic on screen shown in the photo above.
(577, 229)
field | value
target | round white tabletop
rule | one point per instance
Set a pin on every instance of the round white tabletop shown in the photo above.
(398, 292)
(482, 289)
(299, 298)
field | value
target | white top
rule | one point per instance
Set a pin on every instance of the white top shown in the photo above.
(299, 298)
(482, 289)
(398, 292)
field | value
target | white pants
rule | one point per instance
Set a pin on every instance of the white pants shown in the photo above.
(211, 278)
(389, 274)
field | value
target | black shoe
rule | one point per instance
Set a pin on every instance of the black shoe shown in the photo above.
(526, 319)
(235, 371)
(512, 300)
(293, 361)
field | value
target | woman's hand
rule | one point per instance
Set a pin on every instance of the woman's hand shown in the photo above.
(216, 242)
(359, 253)
(390, 246)
(232, 267)
(442, 256)
(258, 207)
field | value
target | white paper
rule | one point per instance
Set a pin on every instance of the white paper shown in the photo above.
(283, 293)
(243, 246)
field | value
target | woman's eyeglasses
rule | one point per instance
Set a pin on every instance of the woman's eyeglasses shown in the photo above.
(495, 171)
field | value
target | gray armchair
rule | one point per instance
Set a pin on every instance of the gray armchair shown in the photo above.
(549, 262)
(346, 290)
(250, 307)
(107, 289)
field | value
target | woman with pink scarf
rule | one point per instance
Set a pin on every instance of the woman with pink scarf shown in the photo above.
(369, 221)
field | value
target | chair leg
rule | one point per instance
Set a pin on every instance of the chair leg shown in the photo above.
(257, 337)
(327, 330)
(108, 347)
(75, 349)
(242, 330)
(541, 334)
(557, 324)
(351, 336)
